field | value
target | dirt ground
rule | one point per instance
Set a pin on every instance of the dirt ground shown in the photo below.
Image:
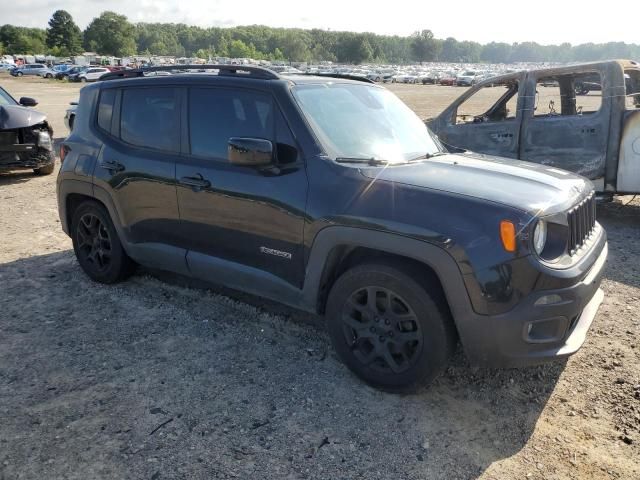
(157, 379)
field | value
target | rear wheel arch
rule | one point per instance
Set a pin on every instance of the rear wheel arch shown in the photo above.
(74, 193)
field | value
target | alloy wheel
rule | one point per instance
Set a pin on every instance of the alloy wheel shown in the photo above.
(94, 242)
(382, 330)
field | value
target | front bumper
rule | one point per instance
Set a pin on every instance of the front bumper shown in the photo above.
(13, 157)
(546, 325)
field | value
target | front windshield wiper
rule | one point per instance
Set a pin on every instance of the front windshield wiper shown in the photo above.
(427, 156)
(368, 161)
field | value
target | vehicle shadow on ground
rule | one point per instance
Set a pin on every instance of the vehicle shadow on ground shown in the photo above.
(17, 176)
(89, 372)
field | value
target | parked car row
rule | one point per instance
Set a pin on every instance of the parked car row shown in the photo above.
(60, 72)
(414, 75)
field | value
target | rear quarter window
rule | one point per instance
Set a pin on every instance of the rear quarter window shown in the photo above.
(105, 109)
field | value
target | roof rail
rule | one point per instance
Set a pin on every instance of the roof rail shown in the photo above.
(338, 75)
(250, 71)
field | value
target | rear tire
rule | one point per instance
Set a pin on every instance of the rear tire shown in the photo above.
(392, 331)
(97, 245)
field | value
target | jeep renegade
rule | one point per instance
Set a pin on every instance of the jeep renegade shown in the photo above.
(330, 195)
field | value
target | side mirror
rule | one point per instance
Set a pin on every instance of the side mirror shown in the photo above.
(250, 152)
(28, 102)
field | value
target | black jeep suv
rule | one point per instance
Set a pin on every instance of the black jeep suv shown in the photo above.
(332, 196)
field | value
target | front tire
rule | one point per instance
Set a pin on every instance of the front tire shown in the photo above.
(46, 170)
(97, 245)
(392, 331)
(83, 80)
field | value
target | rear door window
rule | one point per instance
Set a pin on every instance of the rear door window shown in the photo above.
(574, 94)
(150, 118)
(216, 115)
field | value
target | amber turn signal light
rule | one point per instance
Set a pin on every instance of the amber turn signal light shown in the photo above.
(508, 235)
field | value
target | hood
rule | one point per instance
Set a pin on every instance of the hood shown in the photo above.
(16, 116)
(535, 189)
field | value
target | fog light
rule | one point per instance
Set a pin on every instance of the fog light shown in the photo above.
(548, 300)
(546, 331)
(44, 140)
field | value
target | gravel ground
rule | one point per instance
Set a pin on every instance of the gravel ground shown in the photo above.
(157, 378)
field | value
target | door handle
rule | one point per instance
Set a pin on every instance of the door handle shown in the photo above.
(196, 183)
(112, 166)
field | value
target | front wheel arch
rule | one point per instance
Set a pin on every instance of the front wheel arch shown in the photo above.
(334, 245)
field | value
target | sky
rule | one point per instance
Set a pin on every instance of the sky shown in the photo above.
(479, 20)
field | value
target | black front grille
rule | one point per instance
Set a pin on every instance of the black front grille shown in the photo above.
(582, 221)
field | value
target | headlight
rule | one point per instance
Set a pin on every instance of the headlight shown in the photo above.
(540, 236)
(44, 140)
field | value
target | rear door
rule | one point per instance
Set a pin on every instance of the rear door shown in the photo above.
(246, 216)
(136, 166)
(486, 119)
(566, 129)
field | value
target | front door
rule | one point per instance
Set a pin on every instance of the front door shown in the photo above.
(486, 119)
(247, 217)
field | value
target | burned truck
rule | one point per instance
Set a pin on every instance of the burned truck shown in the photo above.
(582, 118)
(26, 138)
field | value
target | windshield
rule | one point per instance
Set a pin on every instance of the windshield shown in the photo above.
(364, 122)
(5, 98)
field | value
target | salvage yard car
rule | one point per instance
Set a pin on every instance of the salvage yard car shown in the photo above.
(25, 136)
(330, 195)
(582, 118)
(29, 69)
(90, 75)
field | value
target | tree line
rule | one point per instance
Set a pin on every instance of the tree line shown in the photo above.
(113, 34)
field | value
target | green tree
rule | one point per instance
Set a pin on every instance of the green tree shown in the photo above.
(353, 48)
(111, 34)
(294, 47)
(239, 49)
(423, 46)
(496, 52)
(64, 34)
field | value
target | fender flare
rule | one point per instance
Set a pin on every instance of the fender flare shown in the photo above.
(437, 258)
(68, 187)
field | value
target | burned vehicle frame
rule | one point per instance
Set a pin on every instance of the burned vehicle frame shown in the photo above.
(582, 118)
(26, 138)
